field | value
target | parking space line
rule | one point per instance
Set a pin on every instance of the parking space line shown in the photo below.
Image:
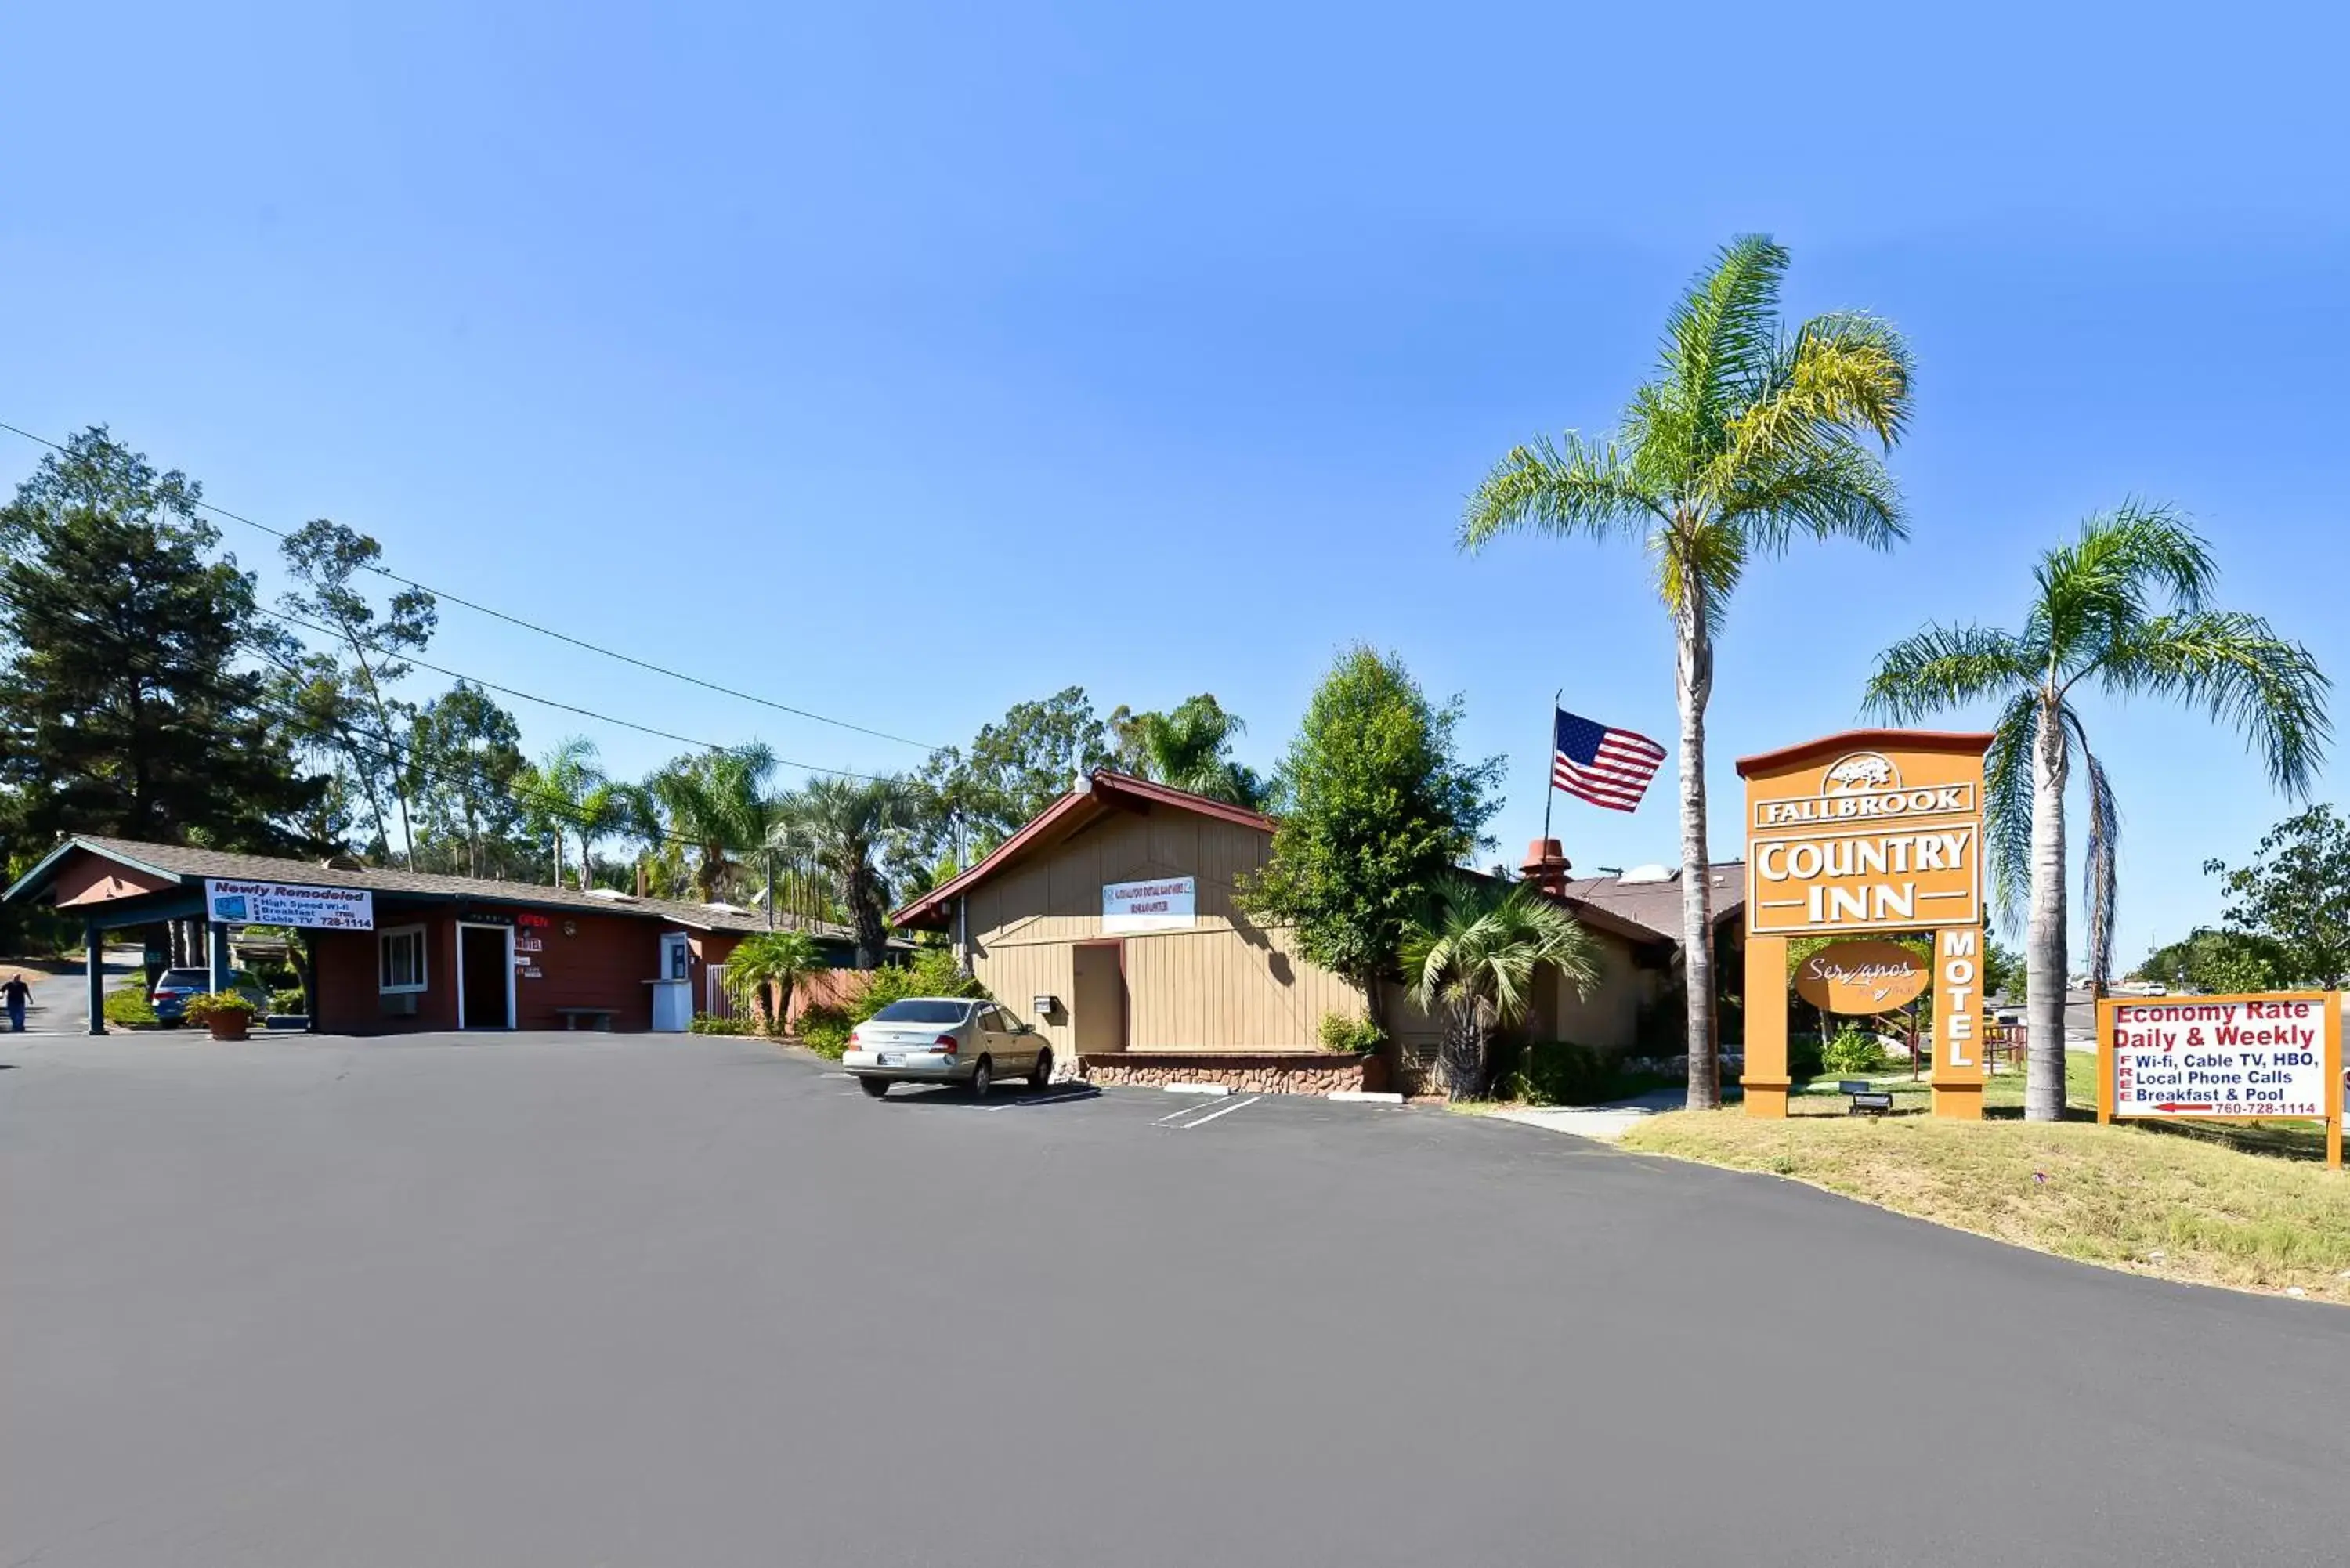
(1219, 1111)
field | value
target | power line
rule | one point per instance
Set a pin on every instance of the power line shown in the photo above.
(406, 657)
(478, 609)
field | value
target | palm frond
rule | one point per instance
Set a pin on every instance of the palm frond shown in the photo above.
(1835, 491)
(2007, 806)
(2125, 566)
(2100, 883)
(2265, 687)
(1722, 337)
(1839, 376)
(1711, 556)
(1571, 487)
(1942, 668)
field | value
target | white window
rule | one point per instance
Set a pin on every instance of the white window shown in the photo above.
(399, 959)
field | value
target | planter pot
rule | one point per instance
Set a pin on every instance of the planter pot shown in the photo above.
(230, 1025)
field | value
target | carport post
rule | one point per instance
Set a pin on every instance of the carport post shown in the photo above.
(93, 961)
(219, 954)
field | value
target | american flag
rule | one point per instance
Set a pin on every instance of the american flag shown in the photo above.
(1606, 767)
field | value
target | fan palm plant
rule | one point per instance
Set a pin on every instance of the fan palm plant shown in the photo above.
(2123, 609)
(1475, 952)
(843, 825)
(1748, 436)
(765, 968)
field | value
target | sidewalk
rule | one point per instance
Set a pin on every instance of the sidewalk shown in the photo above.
(1606, 1123)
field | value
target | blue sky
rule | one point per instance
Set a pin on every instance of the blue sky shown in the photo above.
(904, 362)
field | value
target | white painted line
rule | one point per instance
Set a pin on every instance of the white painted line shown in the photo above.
(1197, 1088)
(1219, 1111)
(1366, 1097)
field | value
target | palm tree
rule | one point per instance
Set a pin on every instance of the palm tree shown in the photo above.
(717, 802)
(566, 791)
(775, 961)
(843, 824)
(1475, 952)
(2124, 610)
(1189, 747)
(1747, 436)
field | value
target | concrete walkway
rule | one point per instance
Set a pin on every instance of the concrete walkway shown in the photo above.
(1606, 1123)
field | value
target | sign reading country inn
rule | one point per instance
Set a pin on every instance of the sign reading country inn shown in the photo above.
(1868, 844)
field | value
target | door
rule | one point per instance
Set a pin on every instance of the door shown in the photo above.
(1097, 997)
(484, 977)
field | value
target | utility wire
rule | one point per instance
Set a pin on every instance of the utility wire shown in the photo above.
(406, 657)
(387, 572)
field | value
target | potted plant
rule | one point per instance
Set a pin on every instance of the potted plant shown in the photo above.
(227, 1014)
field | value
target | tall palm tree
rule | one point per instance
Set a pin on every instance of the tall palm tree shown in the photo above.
(765, 968)
(2124, 610)
(843, 824)
(718, 802)
(1475, 953)
(1747, 436)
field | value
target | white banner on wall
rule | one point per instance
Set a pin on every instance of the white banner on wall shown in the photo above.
(1167, 904)
(289, 904)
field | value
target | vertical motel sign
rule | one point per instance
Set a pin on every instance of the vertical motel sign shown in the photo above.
(1863, 833)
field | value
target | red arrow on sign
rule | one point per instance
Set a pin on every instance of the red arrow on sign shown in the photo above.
(2174, 1106)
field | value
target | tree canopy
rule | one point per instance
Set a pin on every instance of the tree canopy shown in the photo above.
(1378, 812)
(2295, 900)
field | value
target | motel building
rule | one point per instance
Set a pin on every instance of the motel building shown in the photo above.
(395, 952)
(1110, 922)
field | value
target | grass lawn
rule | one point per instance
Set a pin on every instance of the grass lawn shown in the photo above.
(2182, 1204)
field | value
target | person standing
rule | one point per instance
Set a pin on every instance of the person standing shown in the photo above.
(16, 993)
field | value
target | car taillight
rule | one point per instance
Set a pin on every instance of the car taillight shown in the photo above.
(853, 1040)
(948, 1044)
(154, 996)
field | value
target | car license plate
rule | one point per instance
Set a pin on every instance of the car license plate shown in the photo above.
(892, 1059)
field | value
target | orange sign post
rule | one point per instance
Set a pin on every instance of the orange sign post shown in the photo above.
(2269, 1055)
(1863, 833)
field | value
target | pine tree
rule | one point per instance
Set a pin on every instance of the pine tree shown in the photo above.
(127, 701)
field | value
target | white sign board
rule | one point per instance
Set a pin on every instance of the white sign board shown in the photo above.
(2208, 1056)
(289, 904)
(1168, 904)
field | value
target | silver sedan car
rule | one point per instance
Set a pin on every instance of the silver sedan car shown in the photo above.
(945, 1040)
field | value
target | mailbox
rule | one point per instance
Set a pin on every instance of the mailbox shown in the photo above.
(1044, 1006)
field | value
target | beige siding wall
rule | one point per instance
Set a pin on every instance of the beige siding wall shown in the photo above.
(1609, 1017)
(1225, 984)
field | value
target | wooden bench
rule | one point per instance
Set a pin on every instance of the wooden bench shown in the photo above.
(598, 1018)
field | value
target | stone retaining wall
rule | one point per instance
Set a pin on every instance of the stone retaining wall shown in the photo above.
(1244, 1072)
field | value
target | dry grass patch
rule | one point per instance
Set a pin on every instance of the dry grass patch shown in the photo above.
(2147, 1202)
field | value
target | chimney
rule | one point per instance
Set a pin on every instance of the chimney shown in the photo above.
(1546, 867)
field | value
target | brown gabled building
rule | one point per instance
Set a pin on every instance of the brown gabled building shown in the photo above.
(1111, 921)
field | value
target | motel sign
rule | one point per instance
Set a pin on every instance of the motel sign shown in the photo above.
(1869, 832)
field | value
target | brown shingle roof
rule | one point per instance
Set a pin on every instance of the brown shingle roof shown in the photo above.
(185, 860)
(1656, 906)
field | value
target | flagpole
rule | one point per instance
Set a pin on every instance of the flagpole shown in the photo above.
(1550, 766)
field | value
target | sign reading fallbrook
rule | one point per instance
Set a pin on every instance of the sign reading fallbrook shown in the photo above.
(1866, 832)
(2222, 1057)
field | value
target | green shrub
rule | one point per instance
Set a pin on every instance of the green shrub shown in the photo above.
(289, 1000)
(823, 1029)
(1356, 1037)
(129, 1006)
(1853, 1051)
(934, 973)
(709, 1023)
(1562, 1072)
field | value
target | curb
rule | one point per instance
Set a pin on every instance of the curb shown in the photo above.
(1211, 1089)
(1366, 1097)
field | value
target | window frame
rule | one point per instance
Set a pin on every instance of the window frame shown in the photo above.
(424, 960)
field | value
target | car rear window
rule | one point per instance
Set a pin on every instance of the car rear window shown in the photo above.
(917, 1010)
(199, 978)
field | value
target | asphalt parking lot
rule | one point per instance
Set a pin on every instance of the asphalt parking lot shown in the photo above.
(573, 1300)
